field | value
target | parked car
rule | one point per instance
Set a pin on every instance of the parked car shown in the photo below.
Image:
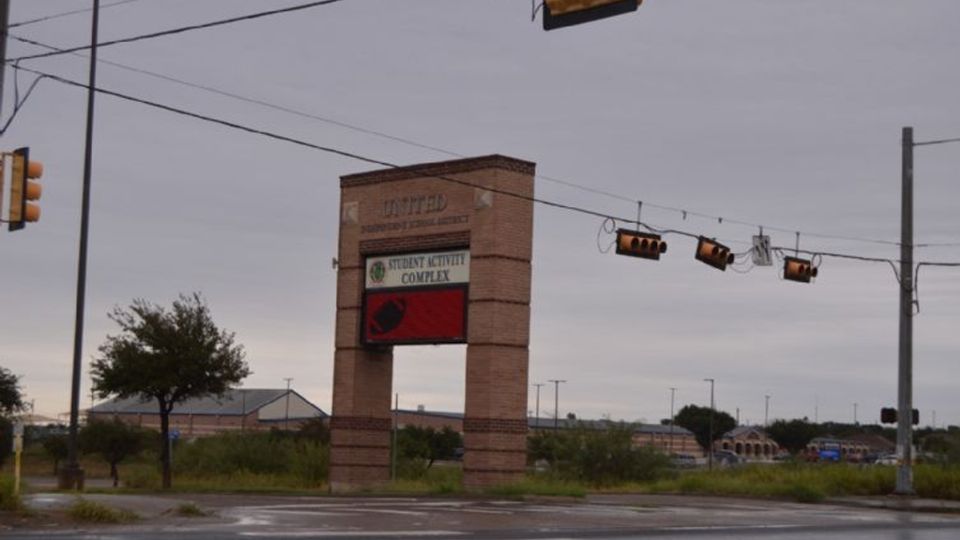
(889, 459)
(726, 458)
(683, 461)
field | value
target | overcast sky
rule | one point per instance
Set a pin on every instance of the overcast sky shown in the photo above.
(785, 114)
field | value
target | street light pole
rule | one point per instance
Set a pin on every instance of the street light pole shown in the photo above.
(673, 391)
(907, 287)
(556, 401)
(766, 411)
(905, 364)
(286, 409)
(537, 423)
(71, 477)
(710, 441)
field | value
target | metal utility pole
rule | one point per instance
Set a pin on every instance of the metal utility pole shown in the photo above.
(710, 441)
(673, 392)
(766, 410)
(905, 380)
(71, 476)
(393, 447)
(556, 402)
(538, 385)
(286, 411)
(4, 24)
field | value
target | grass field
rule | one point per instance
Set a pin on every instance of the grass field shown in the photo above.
(810, 482)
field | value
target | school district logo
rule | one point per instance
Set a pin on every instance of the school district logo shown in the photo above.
(377, 272)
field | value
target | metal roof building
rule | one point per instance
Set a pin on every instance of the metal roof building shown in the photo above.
(237, 409)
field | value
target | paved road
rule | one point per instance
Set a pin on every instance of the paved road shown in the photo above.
(629, 516)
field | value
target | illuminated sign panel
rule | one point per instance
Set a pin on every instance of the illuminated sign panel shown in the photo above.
(416, 298)
(418, 269)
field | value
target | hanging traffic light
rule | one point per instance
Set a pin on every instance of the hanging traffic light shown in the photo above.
(638, 244)
(800, 270)
(713, 253)
(561, 13)
(23, 189)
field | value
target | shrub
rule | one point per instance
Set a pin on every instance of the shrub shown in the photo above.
(142, 476)
(93, 512)
(598, 457)
(9, 501)
(303, 460)
(189, 509)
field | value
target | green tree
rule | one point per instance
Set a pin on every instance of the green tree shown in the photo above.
(315, 429)
(113, 440)
(168, 356)
(11, 402)
(418, 448)
(697, 420)
(11, 398)
(793, 434)
(56, 447)
(597, 456)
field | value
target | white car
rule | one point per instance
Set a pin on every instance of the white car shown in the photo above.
(890, 459)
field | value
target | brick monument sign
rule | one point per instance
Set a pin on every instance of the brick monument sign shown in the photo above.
(434, 253)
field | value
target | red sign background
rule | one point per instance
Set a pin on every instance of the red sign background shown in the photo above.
(415, 316)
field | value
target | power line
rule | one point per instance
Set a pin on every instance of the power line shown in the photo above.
(66, 13)
(375, 161)
(245, 99)
(681, 211)
(180, 30)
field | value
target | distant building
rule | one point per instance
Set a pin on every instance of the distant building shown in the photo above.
(876, 444)
(424, 419)
(748, 442)
(681, 441)
(667, 439)
(237, 410)
(849, 450)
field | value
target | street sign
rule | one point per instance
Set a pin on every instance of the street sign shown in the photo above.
(173, 434)
(761, 251)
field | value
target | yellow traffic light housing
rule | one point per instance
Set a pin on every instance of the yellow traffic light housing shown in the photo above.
(561, 13)
(796, 269)
(638, 244)
(23, 189)
(713, 253)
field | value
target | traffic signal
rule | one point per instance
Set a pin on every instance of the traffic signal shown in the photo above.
(638, 244)
(800, 270)
(23, 189)
(888, 415)
(713, 253)
(561, 13)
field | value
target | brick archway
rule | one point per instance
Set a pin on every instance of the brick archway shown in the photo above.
(411, 210)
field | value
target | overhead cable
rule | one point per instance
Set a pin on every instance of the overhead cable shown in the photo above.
(375, 161)
(66, 13)
(180, 30)
(683, 212)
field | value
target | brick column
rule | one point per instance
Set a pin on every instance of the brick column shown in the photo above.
(362, 381)
(446, 205)
(495, 423)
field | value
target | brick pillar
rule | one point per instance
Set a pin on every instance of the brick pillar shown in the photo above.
(362, 381)
(495, 423)
(447, 205)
